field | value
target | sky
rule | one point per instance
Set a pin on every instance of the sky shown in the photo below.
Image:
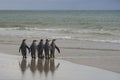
(59, 4)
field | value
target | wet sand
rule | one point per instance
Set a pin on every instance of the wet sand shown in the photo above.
(100, 55)
(15, 68)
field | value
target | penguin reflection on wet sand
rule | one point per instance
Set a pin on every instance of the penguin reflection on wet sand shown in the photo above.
(23, 48)
(33, 49)
(53, 46)
(23, 65)
(47, 49)
(40, 49)
(33, 66)
(53, 67)
(46, 67)
(40, 66)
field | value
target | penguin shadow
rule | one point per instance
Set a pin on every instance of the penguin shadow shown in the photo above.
(23, 65)
(32, 66)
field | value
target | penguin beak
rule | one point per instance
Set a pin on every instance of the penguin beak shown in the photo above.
(35, 40)
(54, 39)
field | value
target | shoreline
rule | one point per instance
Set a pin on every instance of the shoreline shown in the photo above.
(52, 69)
(89, 53)
(110, 64)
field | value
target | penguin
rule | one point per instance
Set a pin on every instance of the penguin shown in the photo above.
(52, 49)
(33, 49)
(47, 49)
(23, 48)
(40, 49)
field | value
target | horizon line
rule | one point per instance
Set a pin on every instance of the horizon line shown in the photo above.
(57, 10)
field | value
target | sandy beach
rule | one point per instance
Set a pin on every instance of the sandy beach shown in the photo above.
(100, 55)
(88, 37)
(52, 69)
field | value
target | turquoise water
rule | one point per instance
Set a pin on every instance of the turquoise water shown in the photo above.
(80, 25)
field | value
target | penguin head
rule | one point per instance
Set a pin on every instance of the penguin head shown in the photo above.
(24, 40)
(34, 40)
(54, 40)
(41, 40)
(47, 40)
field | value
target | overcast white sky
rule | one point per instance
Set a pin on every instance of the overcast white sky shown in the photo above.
(59, 4)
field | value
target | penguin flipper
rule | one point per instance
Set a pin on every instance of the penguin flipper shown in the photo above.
(57, 49)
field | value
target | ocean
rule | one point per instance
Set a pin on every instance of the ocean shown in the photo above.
(98, 26)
